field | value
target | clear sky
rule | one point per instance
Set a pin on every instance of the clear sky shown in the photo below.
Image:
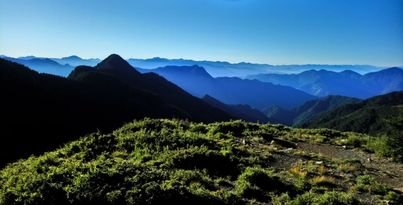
(262, 31)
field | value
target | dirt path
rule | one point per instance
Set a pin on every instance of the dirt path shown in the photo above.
(382, 169)
(329, 151)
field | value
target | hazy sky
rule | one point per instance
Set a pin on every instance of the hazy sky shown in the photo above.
(263, 31)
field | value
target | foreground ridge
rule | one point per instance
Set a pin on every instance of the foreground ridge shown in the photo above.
(159, 161)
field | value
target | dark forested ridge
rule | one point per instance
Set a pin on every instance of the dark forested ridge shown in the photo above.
(307, 111)
(244, 112)
(377, 115)
(380, 116)
(114, 68)
(40, 111)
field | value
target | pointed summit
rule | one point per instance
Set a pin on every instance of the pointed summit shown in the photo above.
(115, 63)
(200, 71)
(193, 71)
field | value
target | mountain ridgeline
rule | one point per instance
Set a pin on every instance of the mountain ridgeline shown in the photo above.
(42, 65)
(378, 115)
(244, 112)
(232, 90)
(357, 81)
(243, 69)
(346, 83)
(306, 111)
(41, 111)
(215, 68)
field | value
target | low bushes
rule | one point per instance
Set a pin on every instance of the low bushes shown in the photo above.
(175, 162)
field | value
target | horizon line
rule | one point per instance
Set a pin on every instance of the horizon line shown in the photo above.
(201, 60)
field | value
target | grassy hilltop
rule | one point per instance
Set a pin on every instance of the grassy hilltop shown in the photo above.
(179, 162)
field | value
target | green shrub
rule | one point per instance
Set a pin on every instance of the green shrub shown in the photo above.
(256, 183)
(380, 145)
(367, 183)
(178, 162)
(394, 198)
(327, 198)
(235, 128)
(213, 161)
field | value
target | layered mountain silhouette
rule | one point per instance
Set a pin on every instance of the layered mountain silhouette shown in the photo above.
(41, 111)
(232, 90)
(76, 61)
(42, 65)
(346, 83)
(215, 68)
(307, 111)
(115, 68)
(243, 69)
(376, 116)
(244, 112)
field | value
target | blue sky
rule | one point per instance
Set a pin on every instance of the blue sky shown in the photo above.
(262, 31)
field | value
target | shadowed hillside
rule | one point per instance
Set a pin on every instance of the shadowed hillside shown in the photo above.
(244, 112)
(40, 111)
(307, 111)
(378, 116)
(374, 116)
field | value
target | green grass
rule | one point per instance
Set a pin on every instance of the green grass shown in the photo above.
(175, 162)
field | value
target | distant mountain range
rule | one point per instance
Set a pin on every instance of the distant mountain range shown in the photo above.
(76, 61)
(346, 83)
(232, 90)
(215, 68)
(53, 110)
(243, 69)
(198, 81)
(42, 65)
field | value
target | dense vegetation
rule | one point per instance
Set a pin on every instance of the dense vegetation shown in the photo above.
(305, 112)
(380, 116)
(179, 162)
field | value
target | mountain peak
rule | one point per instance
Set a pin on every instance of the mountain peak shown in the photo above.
(387, 71)
(115, 62)
(196, 69)
(209, 98)
(350, 73)
(72, 57)
(191, 71)
(114, 57)
(393, 69)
